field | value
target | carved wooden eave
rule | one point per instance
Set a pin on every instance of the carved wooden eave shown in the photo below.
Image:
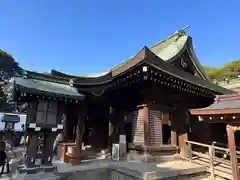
(160, 57)
(146, 58)
(173, 76)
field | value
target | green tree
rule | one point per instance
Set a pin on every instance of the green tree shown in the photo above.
(214, 73)
(8, 66)
(230, 70)
(8, 69)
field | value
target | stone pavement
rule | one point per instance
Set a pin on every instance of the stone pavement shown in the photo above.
(12, 174)
(111, 170)
(15, 155)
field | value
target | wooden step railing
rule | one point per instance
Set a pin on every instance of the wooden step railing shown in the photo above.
(216, 159)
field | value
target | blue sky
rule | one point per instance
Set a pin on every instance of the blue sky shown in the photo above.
(76, 36)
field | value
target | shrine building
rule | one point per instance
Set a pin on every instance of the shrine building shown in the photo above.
(147, 98)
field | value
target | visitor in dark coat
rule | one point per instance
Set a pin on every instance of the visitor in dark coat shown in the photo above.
(3, 157)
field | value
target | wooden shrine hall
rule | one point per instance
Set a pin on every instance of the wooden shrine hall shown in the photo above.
(147, 98)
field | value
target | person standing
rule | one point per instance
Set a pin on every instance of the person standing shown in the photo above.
(3, 157)
(58, 139)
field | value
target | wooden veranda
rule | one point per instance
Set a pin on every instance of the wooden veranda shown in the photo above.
(221, 161)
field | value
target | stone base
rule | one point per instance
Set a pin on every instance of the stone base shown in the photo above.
(38, 172)
(122, 151)
(135, 156)
(147, 158)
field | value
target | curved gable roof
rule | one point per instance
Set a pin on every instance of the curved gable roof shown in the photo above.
(174, 46)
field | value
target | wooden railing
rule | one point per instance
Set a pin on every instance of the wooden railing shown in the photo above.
(217, 159)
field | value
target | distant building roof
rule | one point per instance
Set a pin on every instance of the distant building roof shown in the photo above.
(224, 104)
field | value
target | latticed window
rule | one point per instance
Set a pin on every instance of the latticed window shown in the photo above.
(47, 112)
(52, 112)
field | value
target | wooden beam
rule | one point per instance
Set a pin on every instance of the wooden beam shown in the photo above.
(233, 155)
(215, 111)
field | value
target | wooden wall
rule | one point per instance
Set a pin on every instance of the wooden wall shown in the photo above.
(156, 129)
(155, 121)
(137, 126)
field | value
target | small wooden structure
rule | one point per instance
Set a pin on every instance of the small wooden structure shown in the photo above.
(226, 108)
(47, 103)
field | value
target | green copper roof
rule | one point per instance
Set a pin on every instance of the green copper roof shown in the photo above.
(167, 49)
(171, 46)
(47, 88)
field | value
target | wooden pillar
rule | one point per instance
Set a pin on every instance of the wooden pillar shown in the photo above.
(121, 125)
(68, 128)
(233, 155)
(174, 140)
(116, 127)
(147, 135)
(112, 128)
(48, 147)
(182, 138)
(31, 149)
(65, 130)
(180, 131)
(80, 129)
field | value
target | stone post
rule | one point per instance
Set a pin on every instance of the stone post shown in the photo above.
(122, 138)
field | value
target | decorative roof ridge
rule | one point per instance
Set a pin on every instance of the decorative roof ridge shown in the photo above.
(179, 33)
